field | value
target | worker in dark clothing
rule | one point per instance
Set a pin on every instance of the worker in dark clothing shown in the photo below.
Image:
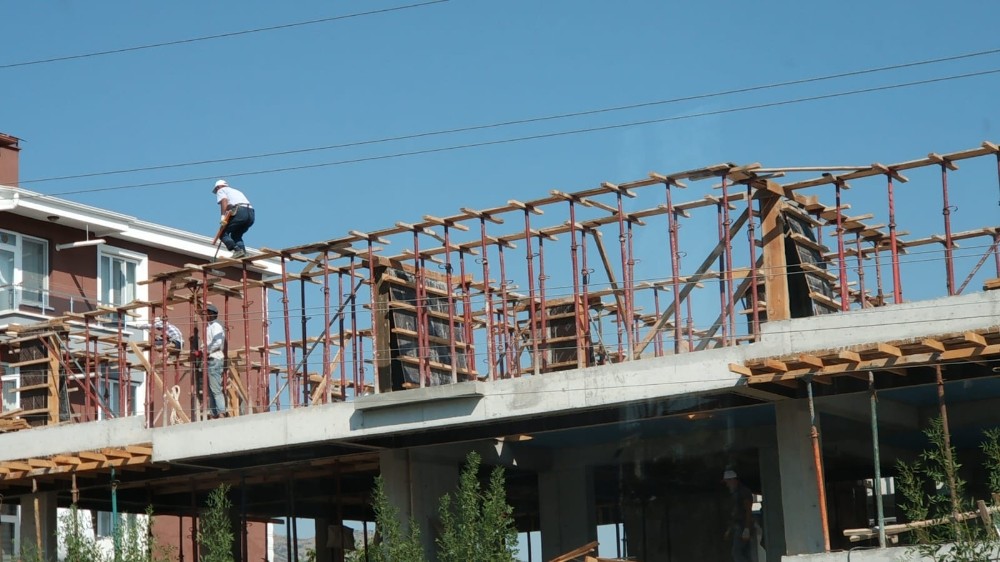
(740, 530)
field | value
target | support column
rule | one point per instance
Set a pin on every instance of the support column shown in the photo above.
(773, 237)
(803, 524)
(39, 524)
(414, 484)
(324, 552)
(773, 515)
(567, 512)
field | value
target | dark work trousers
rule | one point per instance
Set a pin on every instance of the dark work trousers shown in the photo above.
(232, 237)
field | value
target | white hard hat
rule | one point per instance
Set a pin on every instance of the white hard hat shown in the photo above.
(729, 474)
(220, 183)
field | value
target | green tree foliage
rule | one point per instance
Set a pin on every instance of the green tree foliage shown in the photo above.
(392, 543)
(137, 545)
(80, 545)
(215, 534)
(477, 525)
(924, 487)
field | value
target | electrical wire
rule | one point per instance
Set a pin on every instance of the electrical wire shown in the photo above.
(523, 121)
(215, 36)
(533, 137)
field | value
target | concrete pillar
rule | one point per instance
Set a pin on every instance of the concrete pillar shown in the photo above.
(414, 484)
(802, 525)
(773, 520)
(323, 551)
(567, 512)
(39, 524)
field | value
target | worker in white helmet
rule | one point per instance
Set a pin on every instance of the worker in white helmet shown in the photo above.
(237, 216)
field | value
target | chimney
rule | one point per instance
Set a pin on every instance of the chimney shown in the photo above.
(8, 159)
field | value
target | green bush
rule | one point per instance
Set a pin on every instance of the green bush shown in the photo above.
(215, 533)
(924, 487)
(477, 525)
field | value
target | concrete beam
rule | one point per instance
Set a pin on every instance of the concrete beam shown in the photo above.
(69, 438)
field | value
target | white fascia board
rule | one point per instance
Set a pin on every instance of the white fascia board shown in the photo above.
(39, 205)
(103, 222)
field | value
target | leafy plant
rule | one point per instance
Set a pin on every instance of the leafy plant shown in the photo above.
(80, 545)
(926, 488)
(477, 525)
(215, 534)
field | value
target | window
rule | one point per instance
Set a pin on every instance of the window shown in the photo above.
(9, 532)
(117, 404)
(118, 280)
(106, 523)
(24, 271)
(119, 273)
(9, 381)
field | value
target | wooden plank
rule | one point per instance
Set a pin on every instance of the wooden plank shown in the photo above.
(53, 398)
(992, 284)
(775, 268)
(887, 350)
(29, 362)
(576, 552)
(740, 369)
(167, 396)
(932, 344)
(92, 456)
(776, 365)
(811, 360)
(974, 338)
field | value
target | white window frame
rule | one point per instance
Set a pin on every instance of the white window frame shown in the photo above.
(17, 282)
(140, 292)
(11, 375)
(114, 382)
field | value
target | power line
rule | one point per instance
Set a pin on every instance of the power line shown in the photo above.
(536, 136)
(216, 36)
(527, 120)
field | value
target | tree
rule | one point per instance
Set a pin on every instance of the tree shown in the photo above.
(392, 543)
(215, 533)
(937, 469)
(477, 525)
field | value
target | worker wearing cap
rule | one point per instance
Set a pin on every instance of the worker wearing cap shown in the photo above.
(215, 343)
(232, 200)
(740, 525)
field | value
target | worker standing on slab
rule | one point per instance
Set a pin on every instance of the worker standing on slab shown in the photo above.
(739, 532)
(215, 343)
(237, 217)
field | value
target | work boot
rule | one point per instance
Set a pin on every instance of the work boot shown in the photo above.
(239, 253)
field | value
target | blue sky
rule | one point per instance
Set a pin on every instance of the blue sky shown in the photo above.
(464, 63)
(456, 64)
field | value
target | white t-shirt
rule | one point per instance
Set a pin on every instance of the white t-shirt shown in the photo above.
(215, 338)
(234, 196)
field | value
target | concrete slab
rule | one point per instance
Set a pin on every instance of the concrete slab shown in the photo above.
(897, 322)
(470, 389)
(595, 387)
(47, 441)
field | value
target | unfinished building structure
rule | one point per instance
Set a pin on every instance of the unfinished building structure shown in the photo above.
(616, 347)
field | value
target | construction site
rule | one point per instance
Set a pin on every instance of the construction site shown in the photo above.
(615, 347)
